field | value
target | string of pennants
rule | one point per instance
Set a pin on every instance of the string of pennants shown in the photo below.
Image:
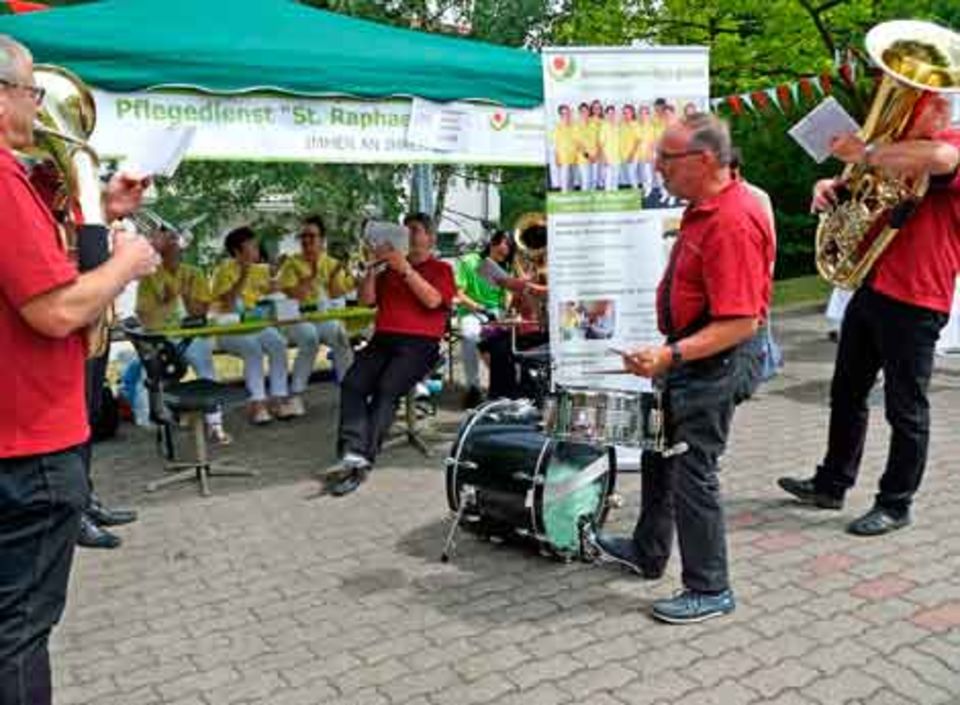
(787, 96)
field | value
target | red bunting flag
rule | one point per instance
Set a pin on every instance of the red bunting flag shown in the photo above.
(807, 90)
(846, 73)
(826, 82)
(736, 105)
(761, 101)
(18, 7)
(785, 97)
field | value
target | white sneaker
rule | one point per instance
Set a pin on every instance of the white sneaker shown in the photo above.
(288, 408)
(354, 460)
(259, 414)
(296, 406)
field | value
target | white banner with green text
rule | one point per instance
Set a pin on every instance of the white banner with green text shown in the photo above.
(609, 217)
(283, 128)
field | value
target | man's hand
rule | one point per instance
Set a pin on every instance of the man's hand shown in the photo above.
(825, 195)
(134, 254)
(848, 148)
(648, 362)
(124, 194)
(397, 261)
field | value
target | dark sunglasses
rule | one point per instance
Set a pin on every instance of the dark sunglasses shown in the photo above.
(36, 92)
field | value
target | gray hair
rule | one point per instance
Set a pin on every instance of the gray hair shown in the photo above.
(12, 56)
(710, 134)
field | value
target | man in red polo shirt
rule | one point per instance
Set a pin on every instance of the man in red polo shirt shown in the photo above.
(892, 324)
(413, 295)
(44, 307)
(713, 295)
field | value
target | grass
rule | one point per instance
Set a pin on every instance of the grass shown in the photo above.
(800, 290)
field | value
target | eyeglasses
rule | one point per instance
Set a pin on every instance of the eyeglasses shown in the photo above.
(36, 92)
(671, 156)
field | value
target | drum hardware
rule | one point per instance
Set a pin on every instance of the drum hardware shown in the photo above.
(468, 498)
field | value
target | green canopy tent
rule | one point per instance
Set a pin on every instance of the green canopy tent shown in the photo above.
(278, 80)
(244, 45)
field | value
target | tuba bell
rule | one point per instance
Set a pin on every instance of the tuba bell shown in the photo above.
(530, 235)
(64, 124)
(915, 57)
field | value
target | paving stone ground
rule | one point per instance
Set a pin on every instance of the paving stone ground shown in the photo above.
(265, 593)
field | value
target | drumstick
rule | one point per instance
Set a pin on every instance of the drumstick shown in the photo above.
(608, 372)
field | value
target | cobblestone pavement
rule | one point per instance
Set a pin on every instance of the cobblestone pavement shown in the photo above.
(266, 594)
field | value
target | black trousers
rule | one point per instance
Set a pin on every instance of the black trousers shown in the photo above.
(95, 374)
(880, 333)
(683, 491)
(381, 374)
(41, 498)
(508, 380)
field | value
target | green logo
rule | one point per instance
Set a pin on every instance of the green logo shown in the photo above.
(499, 120)
(562, 67)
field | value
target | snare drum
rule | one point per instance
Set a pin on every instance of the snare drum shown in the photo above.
(514, 479)
(601, 417)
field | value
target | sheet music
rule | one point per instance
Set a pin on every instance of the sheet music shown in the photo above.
(818, 127)
(159, 152)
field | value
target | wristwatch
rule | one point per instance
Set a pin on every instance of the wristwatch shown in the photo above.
(868, 149)
(676, 356)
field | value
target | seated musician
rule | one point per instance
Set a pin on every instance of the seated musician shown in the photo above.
(174, 291)
(238, 284)
(479, 300)
(413, 293)
(528, 305)
(313, 278)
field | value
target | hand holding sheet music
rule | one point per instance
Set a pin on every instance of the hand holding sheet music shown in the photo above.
(818, 128)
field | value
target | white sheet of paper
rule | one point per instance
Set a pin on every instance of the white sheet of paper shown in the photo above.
(818, 127)
(158, 152)
(379, 232)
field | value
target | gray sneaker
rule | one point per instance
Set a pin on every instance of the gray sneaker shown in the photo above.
(690, 607)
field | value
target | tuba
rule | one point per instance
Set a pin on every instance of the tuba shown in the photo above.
(530, 236)
(915, 57)
(65, 122)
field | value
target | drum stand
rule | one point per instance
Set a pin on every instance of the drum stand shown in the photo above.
(468, 496)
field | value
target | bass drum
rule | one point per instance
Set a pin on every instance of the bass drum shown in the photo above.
(514, 479)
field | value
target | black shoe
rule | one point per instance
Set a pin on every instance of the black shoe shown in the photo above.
(351, 483)
(472, 398)
(878, 521)
(623, 552)
(104, 516)
(806, 492)
(92, 536)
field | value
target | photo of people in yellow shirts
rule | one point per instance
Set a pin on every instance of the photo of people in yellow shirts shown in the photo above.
(613, 145)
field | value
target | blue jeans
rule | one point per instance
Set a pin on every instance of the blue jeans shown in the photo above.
(41, 498)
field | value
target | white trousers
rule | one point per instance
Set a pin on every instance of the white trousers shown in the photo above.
(470, 327)
(199, 355)
(307, 336)
(251, 348)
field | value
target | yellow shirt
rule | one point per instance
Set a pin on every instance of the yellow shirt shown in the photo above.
(256, 286)
(296, 268)
(565, 143)
(586, 136)
(648, 135)
(609, 140)
(629, 141)
(162, 297)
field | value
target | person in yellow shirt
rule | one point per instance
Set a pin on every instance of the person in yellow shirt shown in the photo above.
(586, 142)
(176, 290)
(596, 166)
(565, 148)
(238, 284)
(608, 142)
(648, 136)
(629, 145)
(313, 278)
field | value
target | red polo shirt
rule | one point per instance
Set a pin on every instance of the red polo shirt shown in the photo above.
(400, 311)
(42, 405)
(720, 265)
(920, 266)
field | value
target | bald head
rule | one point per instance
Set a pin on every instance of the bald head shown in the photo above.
(18, 104)
(14, 59)
(693, 156)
